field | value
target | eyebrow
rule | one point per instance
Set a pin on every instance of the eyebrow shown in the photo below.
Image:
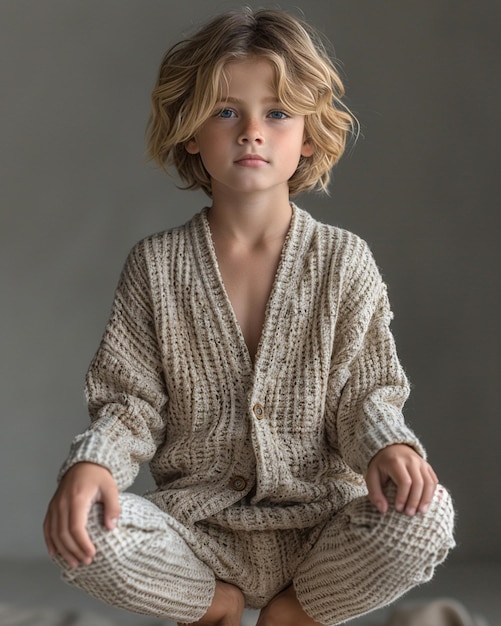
(271, 99)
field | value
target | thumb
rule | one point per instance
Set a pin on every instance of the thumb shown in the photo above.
(375, 488)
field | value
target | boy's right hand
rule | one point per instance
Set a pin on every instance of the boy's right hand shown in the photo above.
(65, 523)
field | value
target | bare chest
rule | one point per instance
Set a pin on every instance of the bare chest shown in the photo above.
(248, 280)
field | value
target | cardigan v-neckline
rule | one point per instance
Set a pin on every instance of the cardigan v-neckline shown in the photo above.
(289, 258)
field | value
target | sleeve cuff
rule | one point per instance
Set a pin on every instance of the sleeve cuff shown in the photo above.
(372, 443)
(93, 447)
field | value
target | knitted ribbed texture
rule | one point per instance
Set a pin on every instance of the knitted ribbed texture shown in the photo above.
(173, 382)
(251, 460)
(358, 561)
(145, 565)
(365, 560)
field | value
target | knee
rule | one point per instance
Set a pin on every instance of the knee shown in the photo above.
(433, 529)
(436, 527)
(433, 532)
(94, 528)
(421, 542)
(105, 542)
(112, 547)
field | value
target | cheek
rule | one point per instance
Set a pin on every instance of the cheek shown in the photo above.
(297, 142)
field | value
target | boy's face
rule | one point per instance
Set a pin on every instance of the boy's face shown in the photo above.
(251, 143)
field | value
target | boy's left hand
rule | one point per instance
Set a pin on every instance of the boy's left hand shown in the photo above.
(413, 476)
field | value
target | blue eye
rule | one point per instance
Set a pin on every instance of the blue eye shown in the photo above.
(278, 115)
(225, 113)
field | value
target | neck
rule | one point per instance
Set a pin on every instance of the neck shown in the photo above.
(251, 220)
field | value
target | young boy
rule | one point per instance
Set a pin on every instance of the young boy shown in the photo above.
(248, 359)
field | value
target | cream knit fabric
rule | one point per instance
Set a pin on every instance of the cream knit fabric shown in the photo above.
(173, 382)
(279, 445)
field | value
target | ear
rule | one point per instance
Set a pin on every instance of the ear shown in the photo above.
(191, 146)
(307, 149)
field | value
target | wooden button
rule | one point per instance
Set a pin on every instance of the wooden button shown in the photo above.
(238, 483)
(258, 410)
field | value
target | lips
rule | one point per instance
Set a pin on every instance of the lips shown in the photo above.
(253, 160)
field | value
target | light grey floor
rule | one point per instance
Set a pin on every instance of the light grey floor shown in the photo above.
(36, 584)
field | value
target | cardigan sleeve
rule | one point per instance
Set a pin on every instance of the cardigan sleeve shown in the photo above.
(125, 388)
(369, 415)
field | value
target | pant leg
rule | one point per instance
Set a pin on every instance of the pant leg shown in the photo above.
(144, 565)
(364, 560)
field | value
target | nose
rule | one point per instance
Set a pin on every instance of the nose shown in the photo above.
(250, 132)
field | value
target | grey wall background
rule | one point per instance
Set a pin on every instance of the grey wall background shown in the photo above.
(422, 187)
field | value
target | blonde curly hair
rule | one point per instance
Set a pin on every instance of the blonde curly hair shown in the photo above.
(192, 80)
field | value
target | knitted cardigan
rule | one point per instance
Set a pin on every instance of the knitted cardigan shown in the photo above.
(283, 442)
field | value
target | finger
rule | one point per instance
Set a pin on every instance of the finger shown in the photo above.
(111, 506)
(404, 484)
(77, 538)
(430, 485)
(415, 494)
(375, 488)
(63, 545)
(68, 532)
(51, 548)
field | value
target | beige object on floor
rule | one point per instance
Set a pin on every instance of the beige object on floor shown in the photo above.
(441, 612)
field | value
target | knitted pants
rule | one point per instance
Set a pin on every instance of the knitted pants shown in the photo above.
(359, 561)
